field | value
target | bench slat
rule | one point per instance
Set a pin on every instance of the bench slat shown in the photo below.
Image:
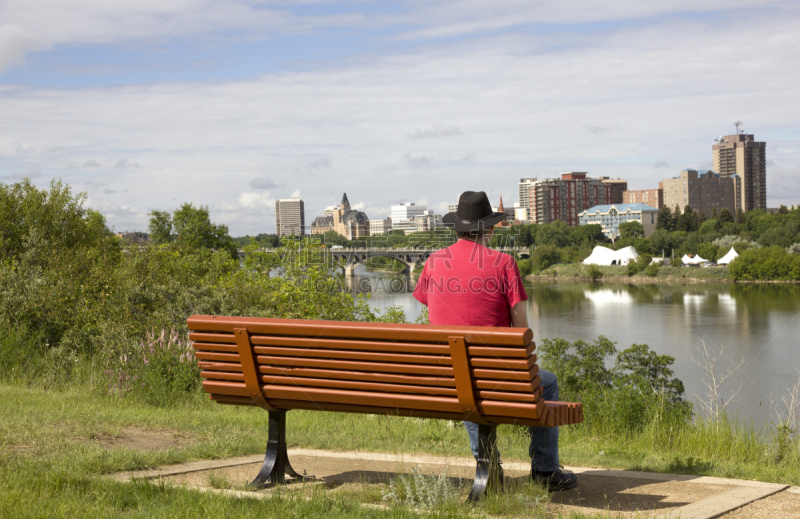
(404, 401)
(486, 385)
(209, 342)
(333, 407)
(360, 330)
(379, 386)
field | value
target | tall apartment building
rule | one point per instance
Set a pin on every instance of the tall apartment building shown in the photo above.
(740, 155)
(651, 197)
(702, 191)
(524, 199)
(290, 219)
(562, 199)
(618, 187)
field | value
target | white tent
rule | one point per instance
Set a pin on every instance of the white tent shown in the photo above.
(626, 255)
(605, 256)
(726, 259)
(693, 260)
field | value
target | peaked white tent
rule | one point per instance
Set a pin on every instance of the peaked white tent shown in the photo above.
(605, 256)
(694, 260)
(726, 259)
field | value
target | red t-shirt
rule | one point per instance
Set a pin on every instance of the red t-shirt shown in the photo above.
(468, 284)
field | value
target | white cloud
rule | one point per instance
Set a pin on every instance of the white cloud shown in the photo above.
(526, 103)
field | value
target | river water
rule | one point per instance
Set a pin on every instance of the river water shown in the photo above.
(758, 325)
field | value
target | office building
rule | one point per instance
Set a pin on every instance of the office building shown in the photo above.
(609, 216)
(740, 155)
(403, 217)
(563, 198)
(290, 217)
(380, 226)
(702, 191)
(651, 197)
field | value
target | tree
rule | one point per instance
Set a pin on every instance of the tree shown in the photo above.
(783, 209)
(586, 234)
(631, 230)
(665, 219)
(54, 218)
(725, 215)
(160, 227)
(688, 221)
(190, 229)
(556, 233)
(544, 256)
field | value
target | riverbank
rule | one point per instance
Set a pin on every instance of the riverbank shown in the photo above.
(619, 274)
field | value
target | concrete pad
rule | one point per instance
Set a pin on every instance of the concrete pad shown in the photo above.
(618, 492)
(783, 505)
(720, 504)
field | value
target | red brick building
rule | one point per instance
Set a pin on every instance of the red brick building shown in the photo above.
(562, 199)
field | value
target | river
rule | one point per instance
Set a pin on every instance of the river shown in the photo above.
(756, 324)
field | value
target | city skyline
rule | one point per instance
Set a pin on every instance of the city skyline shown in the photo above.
(236, 106)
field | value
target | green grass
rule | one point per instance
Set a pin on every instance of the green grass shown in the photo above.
(54, 445)
(617, 273)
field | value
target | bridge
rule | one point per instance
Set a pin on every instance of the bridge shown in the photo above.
(412, 257)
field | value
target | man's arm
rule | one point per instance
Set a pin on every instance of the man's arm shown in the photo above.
(519, 315)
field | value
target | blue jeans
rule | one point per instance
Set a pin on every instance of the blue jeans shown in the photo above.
(544, 440)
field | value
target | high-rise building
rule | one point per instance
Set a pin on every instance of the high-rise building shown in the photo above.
(702, 191)
(563, 198)
(740, 155)
(618, 186)
(651, 197)
(290, 219)
(524, 199)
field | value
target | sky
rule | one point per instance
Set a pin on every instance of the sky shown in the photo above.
(145, 106)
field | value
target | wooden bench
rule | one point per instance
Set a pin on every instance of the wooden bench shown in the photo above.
(484, 375)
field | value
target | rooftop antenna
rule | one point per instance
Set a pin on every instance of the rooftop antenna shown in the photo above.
(738, 124)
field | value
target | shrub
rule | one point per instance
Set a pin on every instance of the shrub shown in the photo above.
(633, 268)
(767, 263)
(525, 267)
(639, 389)
(544, 256)
(594, 272)
(652, 270)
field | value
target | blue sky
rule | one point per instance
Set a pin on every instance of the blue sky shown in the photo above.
(145, 106)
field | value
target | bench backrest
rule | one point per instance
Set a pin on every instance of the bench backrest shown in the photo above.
(486, 375)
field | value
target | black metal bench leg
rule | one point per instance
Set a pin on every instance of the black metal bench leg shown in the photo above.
(276, 462)
(487, 471)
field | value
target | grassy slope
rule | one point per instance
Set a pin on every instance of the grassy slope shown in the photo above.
(50, 455)
(620, 274)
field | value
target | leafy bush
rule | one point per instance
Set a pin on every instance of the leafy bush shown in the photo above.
(594, 272)
(767, 263)
(160, 369)
(632, 268)
(652, 270)
(525, 267)
(544, 256)
(639, 388)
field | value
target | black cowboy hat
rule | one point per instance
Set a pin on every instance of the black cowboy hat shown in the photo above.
(474, 213)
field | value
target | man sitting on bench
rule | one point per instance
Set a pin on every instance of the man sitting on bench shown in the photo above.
(468, 284)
